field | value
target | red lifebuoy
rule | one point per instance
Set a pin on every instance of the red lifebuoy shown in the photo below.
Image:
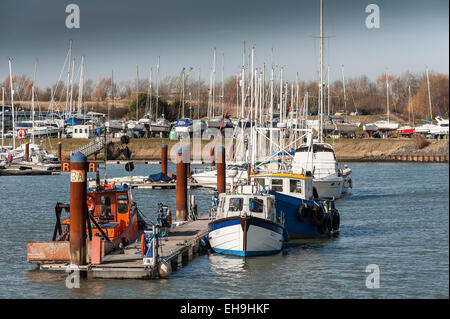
(143, 244)
(90, 202)
(21, 133)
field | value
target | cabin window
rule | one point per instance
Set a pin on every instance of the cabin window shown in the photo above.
(76, 130)
(122, 204)
(295, 186)
(235, 204)
(277, 185)
(256, 205)
(106, 207)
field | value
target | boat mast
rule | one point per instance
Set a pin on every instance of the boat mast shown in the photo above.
(222, 90)
(80, 87)
(198, 95)
(150, 89)
(328, 98)
(32, 102)
(387, 96)
(409, 104)
(429, 95)
(3, 116)
(71, 86)
(321, 74)
(112, 99)
(12, 104)
(214, 81)
(68, 77)
(242, 102)
(343, 84)
(157, 89)
(137, 92)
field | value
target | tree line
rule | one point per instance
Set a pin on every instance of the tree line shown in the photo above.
(408, 93)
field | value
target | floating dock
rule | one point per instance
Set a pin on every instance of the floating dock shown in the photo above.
(180, 246)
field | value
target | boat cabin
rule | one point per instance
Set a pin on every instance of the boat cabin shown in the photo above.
(246, 204)
(295, 185)
(111, 208)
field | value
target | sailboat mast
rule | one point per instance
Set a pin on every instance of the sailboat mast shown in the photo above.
(157, 89)
(12, 104)
(222, 89)
(321, 73)
(150, 89)
(214, 81)
(3, 116)
(32, 102)
(68, 77)
(387, 96)
(429, 94)
(343, 84)
(137, 92)
(80, 87)
(328, 91)
(71, 86)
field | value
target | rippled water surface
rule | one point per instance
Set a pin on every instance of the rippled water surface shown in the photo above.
(396, 217)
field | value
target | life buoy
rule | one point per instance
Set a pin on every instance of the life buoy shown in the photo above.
(90, 203)
(169, 218)
(303, 212)
(143, 245)
(21, 134)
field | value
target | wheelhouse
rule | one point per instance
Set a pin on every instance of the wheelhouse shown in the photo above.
(254, 205)
(296, 185)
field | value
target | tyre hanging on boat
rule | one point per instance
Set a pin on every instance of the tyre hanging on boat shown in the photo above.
(316, 215)
(336, 218)
(330, 220)
(303, 212)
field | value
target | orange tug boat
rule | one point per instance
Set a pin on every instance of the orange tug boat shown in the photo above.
(112, 216)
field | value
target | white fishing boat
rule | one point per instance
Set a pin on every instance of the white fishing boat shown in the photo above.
(246, 224)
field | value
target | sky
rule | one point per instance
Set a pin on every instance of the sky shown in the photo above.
(118, 35)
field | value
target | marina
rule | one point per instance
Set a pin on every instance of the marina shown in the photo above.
(273, 153)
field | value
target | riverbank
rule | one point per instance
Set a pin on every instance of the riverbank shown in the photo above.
(345, 149)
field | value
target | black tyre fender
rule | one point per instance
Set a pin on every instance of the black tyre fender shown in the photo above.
(317, 215)
(303, 212)
(336, 219)
(330, 220)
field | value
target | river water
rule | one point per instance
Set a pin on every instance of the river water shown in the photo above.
(396, 217)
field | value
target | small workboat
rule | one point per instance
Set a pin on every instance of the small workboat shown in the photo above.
(246, 224)
(113, 215)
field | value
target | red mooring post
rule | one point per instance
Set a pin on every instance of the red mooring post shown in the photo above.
(27, 151)
(59, 151)
(181, 188)
(164, 159)
(221, 178)
(78, 209)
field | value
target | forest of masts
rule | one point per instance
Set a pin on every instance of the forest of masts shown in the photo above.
(187, 95)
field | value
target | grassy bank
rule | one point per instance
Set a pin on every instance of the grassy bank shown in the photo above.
(345, 149)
